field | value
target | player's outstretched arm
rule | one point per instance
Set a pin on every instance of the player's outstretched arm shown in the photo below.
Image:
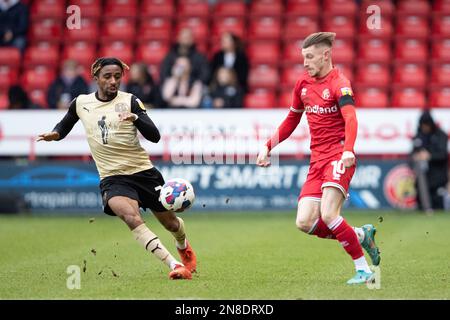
(142, 121)
(50, 136)
(63, 128)
(263, 159)
(351, 127)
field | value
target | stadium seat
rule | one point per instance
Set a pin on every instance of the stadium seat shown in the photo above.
(260, 99)
(38, 96)
(42, 53)
(155, 29)
(411, 50)
(193, 8)
(45, 30)
(346, 69)
(384, 32)
(267, 8)
(408, 98)
(123, 29)
(82, 52)
(373, 74)
(285, 99)
(55, 9)
(37, 78)
(344, 26)
(266, 52)
(440, 98)
(387, 8)
(441, 26)
(340, 7)
(152, 52)
(235, 25)
(119, 49)
(120, 9)
(4, 102)
(10, 56)
(300, 27)
(292, 53)
(8, 77)
(440, 74)
(301, 8)
(199, 27)
(441, 6)
(440, 50)
(419, 7)
(343, 51)
(412, 26)
(410, 74)
(89, 31)
(89, 8)
(374, 50)
(290, 75)
(157, 9)
(371, 97)
(263, 76)
(264, 28)
(227, 8)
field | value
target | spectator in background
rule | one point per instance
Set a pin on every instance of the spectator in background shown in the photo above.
(185, 47)
(430, 163)
(182, 89)
(66, 87)
(141, 84)
(13, 24)
(225, 90)
(18, 99)
(232, 55)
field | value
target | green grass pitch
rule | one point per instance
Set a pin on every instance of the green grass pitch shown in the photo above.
(242, 255)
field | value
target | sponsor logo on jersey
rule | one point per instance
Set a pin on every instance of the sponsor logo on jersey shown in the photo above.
(326, 93)
(121, 107)
(346, 91)
(304, 91)
(321, 110)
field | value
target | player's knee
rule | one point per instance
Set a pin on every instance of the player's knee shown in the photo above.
(303, 225)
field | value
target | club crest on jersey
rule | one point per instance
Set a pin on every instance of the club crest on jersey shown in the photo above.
(121, 107)
(304, 92)
(326, 93)
(346, 91)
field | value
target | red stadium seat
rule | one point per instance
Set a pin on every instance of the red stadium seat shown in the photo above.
(88, 8)
(265, 8)
(387, 8)
(226, 8)
(89, 31)
(263, 76)
(82, 52)
(297, 8)
(419, 7)
(266, 52)
(373, 74)
(48, 9)
(346, 69)
(440, 74)
(260, 99)
(440, 50)
(410, 74)
(10, 56)
(374, 50)
(412, 26)
(152, 52)
(8, 77)
(371, 97)
(290, 75)
(157, 9)
(4, 101)
(118, 49)
(120, 8)
(193, 8)
(285, 99)
(411, 50)
(155, 29)
(123, 29)
(441, 6)
(292, 52)
(441, 25)
(340, 7)
(229, 24)
(343, 51)
(368, 31)
(344, 26)
(408, 98)
(37, 78)
(440, 98)
(45, 30)
(264, 28)
(42, 53)
(300, 27)
(199, 27)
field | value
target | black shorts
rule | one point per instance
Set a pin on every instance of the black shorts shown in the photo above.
(141, 186)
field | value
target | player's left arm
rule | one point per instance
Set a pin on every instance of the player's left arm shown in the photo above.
(346, 101)
(141, 120)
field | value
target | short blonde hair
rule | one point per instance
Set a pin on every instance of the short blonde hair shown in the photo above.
(325, 38)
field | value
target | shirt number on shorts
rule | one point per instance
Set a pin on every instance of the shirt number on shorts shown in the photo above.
(338, 169)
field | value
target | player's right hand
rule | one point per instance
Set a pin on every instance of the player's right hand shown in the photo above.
(51, 136)
(263, 157)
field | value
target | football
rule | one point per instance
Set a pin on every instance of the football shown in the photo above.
(177, 195)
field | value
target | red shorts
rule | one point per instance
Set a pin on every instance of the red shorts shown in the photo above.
(327, 173)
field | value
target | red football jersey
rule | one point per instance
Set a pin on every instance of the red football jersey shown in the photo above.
(320, 99)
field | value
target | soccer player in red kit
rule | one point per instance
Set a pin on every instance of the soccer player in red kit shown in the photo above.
(326, 96)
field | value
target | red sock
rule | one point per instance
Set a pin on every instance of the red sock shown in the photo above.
(321, 230)
(347, 237)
